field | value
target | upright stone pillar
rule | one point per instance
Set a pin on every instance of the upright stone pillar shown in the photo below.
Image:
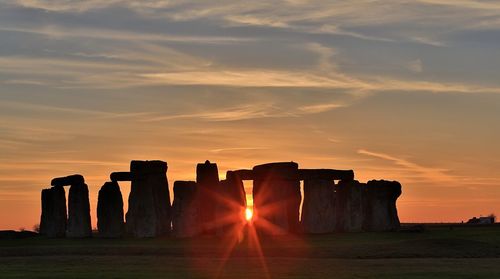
(276, 195)
(318, 209)
(349, 206)
(231, 206)
(149, 201)
(380, 205)
(207, 178)
(53, 218)
(79, 225)
(185, 210)
(110, 211)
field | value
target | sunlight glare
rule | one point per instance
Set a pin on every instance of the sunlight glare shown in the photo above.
(248, 214)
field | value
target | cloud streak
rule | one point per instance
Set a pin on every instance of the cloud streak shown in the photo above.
(432, 174)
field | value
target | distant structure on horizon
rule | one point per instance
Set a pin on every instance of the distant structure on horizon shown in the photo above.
(209, 206)
(482, 220)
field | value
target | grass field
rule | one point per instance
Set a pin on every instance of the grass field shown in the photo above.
(439, 252)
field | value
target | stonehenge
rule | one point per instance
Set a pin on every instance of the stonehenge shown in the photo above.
(326, 174)
(276, 196)
(244, 174)
(349, 206)
(333, 201)
(68, 180)
(380, 205)
(120, 176)
(207, 179)
(79, 225)
(230, 206)
(53, 220)
(149, 200)
(318, 209)
(355, 206)
(185, 210)
(110, 222)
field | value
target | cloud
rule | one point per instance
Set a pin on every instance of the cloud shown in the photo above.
(252, 78)
(132, 57)
(320, 108)
(56, 31)
(237, 20)
(72, 110)
(415, 66)
(229, 149)
(325, 55)
(466, 4)
(229, 114)
(23, 82)
(432, 174)
(67, 5)
(312, 17)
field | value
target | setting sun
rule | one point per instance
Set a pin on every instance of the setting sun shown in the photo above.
(248, 214)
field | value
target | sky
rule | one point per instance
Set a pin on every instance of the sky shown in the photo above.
(399, 90)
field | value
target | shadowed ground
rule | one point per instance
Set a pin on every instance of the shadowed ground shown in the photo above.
(462, 252)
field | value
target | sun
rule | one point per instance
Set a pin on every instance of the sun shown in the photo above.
(248, 214)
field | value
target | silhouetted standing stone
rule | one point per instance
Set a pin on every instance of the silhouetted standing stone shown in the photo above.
(53, 217)
(110, 211)
(380, 205)
(149, 201)
(349, 206)
(318, 209)
(244, 174)
(276, 194)
(185, 210)
(79, 225)
(207, 178)
(231, 206)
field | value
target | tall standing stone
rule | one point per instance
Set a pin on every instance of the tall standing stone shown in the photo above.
(185, 210)
(149, 201)
(207, 178)
(110, 211)
(79, 225)
(231, 206)
(276, 195)
(318, 209)
(380, 205)
(53, 218)
(349, 206)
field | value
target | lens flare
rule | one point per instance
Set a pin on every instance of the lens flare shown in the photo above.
(248, 214)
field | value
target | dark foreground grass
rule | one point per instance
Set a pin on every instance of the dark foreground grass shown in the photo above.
(463, 252)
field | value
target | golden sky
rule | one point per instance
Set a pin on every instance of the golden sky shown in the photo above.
(400, 90)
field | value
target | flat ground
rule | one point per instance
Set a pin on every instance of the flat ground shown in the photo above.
(439, 252)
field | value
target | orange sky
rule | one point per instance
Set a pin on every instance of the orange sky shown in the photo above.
(394, 90)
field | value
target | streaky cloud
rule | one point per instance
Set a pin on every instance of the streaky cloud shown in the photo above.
(433, 174)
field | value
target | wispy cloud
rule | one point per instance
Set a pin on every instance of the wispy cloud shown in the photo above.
(252, 78)
(432, 174)
(23, 82)
(230, 114)
(56, 31)
(415, 66)
(320, 108)
(72, 110)
(233, 149)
